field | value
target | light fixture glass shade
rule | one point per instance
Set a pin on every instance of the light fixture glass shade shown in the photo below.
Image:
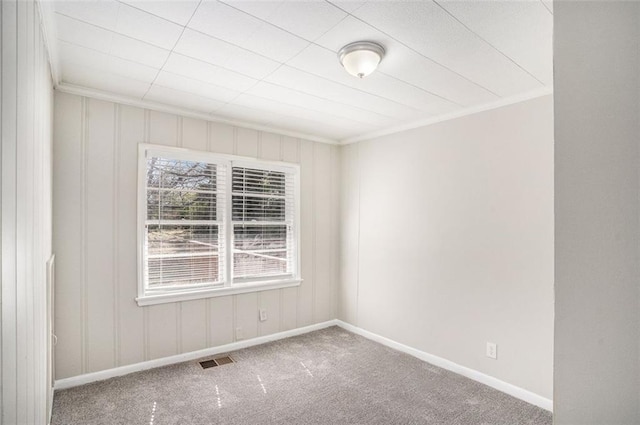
(361, 58)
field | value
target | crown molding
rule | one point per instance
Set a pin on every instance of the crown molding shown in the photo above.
(453, 115)
(47, 24)
(162, 107)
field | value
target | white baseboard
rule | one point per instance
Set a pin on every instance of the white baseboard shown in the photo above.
(499, 385)
(87, 378)
(50, 410)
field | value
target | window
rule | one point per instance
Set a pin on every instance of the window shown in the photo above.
(214, 225)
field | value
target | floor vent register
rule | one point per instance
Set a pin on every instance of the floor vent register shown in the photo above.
(216, 362)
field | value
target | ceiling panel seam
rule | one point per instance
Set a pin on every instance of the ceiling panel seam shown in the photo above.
(171, 51)
(230, 102)
(397, 79)
(426, 57)
(509, 58)
(281, 63)
(290, 87)
(377, 29)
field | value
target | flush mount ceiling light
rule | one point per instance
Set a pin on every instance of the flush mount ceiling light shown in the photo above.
(361, 58)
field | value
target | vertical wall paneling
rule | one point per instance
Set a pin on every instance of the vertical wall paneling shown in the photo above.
(131, 333)
(247, 142)
(179, 125)
(270, 301)
(307, 230)
(221, 320)
(194, 134)
(163, 128)
(221, 137)
(349, 234)
(38, 371)
(29, 219)
(162, 331)
(67, 179)
(289, 149)
(26, 91)
(47, 185)
(83, 234)
(270, 147)
(246, 315)
(207, 323)
(9, 198)
(289, 309)
(99, 235)
(21, 207)
(334, 245)
(116, 235)
(193, 325)
(87, 128)
(2, 181)
(289, 152)
(322, 210)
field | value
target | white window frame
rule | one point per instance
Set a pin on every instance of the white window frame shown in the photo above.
(228, 286)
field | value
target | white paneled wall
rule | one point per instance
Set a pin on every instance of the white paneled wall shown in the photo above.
(99, 325)
(27, 93)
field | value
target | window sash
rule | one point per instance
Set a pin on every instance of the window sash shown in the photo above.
(226, 240)
(159, 267)
(262, 221)
(257, 269)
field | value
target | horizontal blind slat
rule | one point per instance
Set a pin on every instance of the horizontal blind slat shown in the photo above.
(262, 211)
(184, 225)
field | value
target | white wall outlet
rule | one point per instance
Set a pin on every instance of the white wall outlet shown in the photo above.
(492, 350)
(239, 334)
(263, 314)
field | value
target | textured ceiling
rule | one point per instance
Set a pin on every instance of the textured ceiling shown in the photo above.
(274, 64)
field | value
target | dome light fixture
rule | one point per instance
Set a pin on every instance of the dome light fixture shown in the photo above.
(361, 58)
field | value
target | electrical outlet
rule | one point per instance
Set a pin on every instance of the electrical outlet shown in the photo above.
(239, 334)
(492, 350)
(263, 314)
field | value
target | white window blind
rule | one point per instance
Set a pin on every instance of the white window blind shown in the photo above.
(263, 221)
(214, 224)
(184, 229)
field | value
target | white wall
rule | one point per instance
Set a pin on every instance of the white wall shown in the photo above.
(26, 92)
(447, 240)
(597, 81)
(98, 323)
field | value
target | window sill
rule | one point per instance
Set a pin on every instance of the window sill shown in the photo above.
(171, 297)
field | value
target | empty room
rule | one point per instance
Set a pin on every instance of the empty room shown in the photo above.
(320, 212)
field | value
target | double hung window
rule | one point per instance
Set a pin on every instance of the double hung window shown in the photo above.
(214, 225)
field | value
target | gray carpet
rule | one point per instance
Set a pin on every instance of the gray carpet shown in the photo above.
(325, 377)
